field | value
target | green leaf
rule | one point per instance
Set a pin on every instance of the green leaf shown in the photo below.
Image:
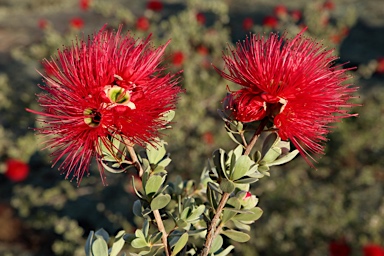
(226, 251)
(235, 235)
(216, 244)
(285, 159)
(139, 243)
(241, 167)
(214, 187)
(153, 184)
(227, 186)
(270, 141)
(137, 208)
(99, 247)
(156, 154)
(118, 243)
(180, 244)
(104, 234)
(160, 202)
(228, 213)
(253, 216)
(272, 154)
(168, 116)
(156, 237)
(246, 180)
(196, 213)
(230, 135)
(88, 244)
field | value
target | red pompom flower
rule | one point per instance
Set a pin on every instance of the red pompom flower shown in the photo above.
(291, 82)
(16, 170)
(108, 87)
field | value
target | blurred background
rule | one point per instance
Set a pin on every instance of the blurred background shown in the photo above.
(336, 209)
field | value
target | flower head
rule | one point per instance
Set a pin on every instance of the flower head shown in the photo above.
(293, 83)
(16, 170)
(108, 87)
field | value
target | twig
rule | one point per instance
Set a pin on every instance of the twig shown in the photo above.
(213, 225)
(161, 228)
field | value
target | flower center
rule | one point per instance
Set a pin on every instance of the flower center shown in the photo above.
(119, 96)
(93, 117)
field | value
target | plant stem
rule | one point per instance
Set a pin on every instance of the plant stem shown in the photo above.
(135, 161)
(255, 137)
(213, 225)
(161, 228)
(156, 213)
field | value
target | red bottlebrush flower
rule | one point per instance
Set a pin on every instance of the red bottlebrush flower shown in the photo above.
(77, 23)
(84, 4)
(270, 21)
(142, 23)
(42, 23)
(373, 250)
(339, 248)
(293, 83)
(200, 17)
(247, 24)
(202, 50)
(280, 10)
(380, 65)
(208, 138)
(296, 15)
(329, 5)
(109, 87)
(155, 5)
(16, 170)
(178, 58)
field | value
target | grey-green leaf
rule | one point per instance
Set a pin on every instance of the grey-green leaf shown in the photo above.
(88, 244)
(100, 247)
(285, 159)
(226, 251)
(118, 243)
(153, 184)
(160, 202)
(180, 244)
(227, 186)
(156, 154)
(216, 244)
(242, 165)
(235, 235)
(139, 243)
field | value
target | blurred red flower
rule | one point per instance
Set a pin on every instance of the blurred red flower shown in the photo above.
(296, 15)
(142, 23)
(380, 65)
(202, 50)
(373, 250)
(178, 58)
(42, 23)
(293, 83)
(155, 5)
(247, 24)
(84, 4)
(270, 21)
(280, 10)
(16, 170)
(77, 23)
(339, 248)
(329, 5)
(208, 138)
(200, 17)
(109, 87)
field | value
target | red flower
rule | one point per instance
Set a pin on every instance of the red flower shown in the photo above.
(155, 5)
(108, 87)
(373, 250)
(208, 138)
(280, 10)
(380, 65)
(329, 5)
(16, 170)
(270, 21)
(202, 50)
(200, 17)
(142, 23)
(296, 15)
(291, 82)
(339, 248)
(247, 24)
(42, 23)
(178, 58)
(84, 4)
(77, 23)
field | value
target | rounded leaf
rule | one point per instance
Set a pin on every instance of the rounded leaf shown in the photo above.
(242, 165)
(235, 235)
(160, 202)
(99, 247)
(180, 244)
